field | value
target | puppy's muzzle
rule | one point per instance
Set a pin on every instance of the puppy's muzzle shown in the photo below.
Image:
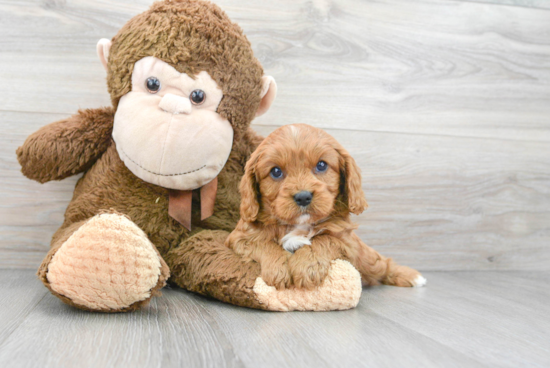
(303, 198)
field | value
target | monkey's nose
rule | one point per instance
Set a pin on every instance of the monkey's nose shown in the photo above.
(303, 198)
(175, 104)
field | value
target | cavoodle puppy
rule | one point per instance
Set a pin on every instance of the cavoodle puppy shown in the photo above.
(297, 192)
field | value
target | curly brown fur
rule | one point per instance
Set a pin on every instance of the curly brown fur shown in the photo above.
(270, 213)
(190, 35)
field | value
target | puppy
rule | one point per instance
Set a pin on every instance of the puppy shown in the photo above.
(297, 193)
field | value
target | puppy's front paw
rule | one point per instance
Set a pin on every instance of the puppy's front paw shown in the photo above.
(276, 275)
(308, 274)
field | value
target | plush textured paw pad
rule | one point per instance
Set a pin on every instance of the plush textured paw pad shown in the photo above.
(340, 290)
(107, 264)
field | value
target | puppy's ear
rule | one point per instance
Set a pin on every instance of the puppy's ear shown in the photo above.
(353, 192)
(249, 190)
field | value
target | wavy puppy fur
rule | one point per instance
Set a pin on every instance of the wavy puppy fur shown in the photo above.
(270, 213)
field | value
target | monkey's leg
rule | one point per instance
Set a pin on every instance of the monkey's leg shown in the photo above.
(105, 263)
(203, 264)
(375, 268)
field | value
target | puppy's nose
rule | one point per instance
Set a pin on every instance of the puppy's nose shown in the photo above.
(303, 198)
(175, 104)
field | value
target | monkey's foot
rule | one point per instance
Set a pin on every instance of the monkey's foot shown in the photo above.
(340, 290)
(108, 265)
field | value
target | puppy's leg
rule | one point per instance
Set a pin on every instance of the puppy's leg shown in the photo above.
(375, 268)
(271, 256)
(203, 264)
(273, 262)
(310, 264)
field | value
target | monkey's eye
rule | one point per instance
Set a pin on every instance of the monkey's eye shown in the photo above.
(152, 84)
(322, 166)
(197, 97)
(276, 173)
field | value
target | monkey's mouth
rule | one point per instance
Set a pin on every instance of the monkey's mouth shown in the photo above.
(184, 179)
(157, 173)
(303, 219)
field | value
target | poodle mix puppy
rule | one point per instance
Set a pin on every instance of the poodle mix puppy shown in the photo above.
(298, 190)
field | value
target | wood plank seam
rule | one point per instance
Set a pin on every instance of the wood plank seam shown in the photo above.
(46, 293)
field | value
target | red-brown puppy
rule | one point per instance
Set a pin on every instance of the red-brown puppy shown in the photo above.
(298, 190)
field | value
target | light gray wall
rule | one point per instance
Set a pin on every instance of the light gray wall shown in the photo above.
(444, 104)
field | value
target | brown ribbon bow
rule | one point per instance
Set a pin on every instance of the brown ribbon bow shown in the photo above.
(180, 203)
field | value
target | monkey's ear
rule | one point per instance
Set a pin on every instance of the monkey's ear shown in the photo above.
(249, 190)
(268, 93)
(103, 47)
(352, 182)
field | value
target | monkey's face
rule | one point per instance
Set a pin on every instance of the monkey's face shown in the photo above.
(167, 129)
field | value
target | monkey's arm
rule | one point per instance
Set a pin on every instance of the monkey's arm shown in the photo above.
(66, 147)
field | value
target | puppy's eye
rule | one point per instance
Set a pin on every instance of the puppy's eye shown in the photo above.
(322, 166)
(197, 97)
(152, 84)
(276, 173)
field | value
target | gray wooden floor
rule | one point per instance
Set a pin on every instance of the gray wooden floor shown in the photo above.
(462, 319)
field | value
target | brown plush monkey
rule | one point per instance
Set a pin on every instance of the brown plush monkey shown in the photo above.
(161, 167)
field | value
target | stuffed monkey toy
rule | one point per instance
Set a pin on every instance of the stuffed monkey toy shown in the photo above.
(161, 170)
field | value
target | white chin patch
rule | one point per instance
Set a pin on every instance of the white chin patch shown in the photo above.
(291, 243)
(303, 219)
(176, 151)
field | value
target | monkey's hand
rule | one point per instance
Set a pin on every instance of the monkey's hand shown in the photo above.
(66, 147)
